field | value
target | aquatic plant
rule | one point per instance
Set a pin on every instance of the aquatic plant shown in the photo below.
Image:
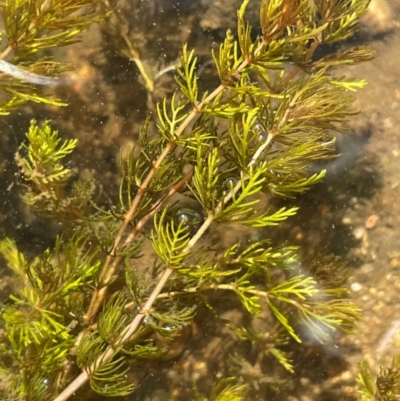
(383, 386)
(93, 304)
(31, 27)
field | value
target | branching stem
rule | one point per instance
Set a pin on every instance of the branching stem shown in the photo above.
(314, 45)
(112, 262)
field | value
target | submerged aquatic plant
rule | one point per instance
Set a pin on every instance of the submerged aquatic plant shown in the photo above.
(20, 73)
(385, 386)
(91, 305)
(30, 27)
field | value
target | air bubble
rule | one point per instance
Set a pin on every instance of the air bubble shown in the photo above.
(261, 138)
(189, 219)
(170, 328)
(228, 186)
(261, 134)
(230, 183)
(258, 128)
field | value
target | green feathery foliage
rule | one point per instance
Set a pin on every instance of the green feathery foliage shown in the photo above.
(31, 26)
(385, 387)
(90, 303)
(46, 179)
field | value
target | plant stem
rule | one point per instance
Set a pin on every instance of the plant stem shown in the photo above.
(5, 52)
(113, 261)
(108, 354)
(106, 277)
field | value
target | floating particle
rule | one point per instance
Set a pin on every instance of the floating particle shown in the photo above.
(371, 221)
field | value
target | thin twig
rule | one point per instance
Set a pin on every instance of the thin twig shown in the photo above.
(5, 52)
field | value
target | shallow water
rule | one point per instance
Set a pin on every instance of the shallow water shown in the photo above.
(105, 113)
